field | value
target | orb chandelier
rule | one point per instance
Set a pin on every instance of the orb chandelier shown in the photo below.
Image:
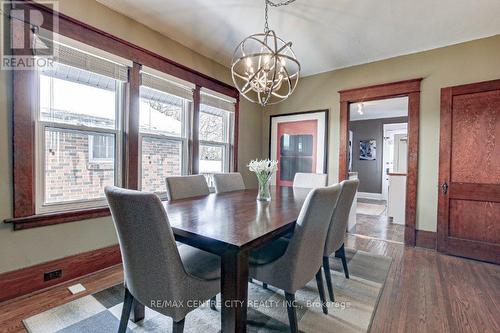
(264, 68)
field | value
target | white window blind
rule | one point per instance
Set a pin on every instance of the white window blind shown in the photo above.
(164, 85)
(217, 100)
(72, 53)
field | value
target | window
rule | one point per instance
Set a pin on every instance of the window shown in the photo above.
(215, 133)
(79, 131)
(72, 119)
(102, 148)
(164, 109)
(214, 139)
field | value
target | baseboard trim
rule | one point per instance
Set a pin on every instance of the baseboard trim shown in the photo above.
(367, 195)
(30, 279)
(425, 239)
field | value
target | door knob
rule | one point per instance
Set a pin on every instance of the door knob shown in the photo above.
(444, 188)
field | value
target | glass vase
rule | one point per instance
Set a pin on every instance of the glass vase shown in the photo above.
(264, 189)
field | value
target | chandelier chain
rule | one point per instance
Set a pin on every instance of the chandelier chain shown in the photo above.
(273, 4)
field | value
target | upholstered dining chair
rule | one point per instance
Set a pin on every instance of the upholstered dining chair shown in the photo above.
(336, 231)
(182, 187)
(228, 182)
(156, 271)
(309, 180)
(289, 264)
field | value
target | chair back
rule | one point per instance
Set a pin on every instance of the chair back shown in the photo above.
(228, 182)
(340, 217)
(305, 250)
(152, 265)
(309, 180)
(181, 187)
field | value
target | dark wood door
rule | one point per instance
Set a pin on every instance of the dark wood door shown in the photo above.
(469, 171)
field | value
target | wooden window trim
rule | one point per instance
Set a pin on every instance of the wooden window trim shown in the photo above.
(23, 139)
(411, 89)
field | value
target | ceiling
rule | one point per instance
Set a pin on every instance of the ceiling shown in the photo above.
(384, 108)
(326, 34)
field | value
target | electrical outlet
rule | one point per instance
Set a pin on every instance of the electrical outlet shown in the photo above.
(56, 274)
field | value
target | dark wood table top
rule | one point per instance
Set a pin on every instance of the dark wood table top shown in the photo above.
(235, 219)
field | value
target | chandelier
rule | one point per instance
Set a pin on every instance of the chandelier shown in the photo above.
(264, 67)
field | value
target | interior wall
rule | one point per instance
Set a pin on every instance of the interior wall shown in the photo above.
(29, 247)
(370, 171)
(469, 62)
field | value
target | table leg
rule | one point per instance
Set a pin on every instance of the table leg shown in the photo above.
(137, 311)
(234, 285)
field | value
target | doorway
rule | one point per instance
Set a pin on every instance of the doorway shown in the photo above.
(377, 157)
(395, 153)
(411, 90)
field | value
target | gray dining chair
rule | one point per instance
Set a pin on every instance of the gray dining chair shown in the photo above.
(336, 232)
(289, 264)
(158, 274)
(182, 187)
(309, 180)
(228, 182)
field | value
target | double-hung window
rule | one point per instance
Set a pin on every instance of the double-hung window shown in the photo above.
(215, 133)
(165, 104)
(78, 128)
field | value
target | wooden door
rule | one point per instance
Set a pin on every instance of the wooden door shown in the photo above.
(469, 171)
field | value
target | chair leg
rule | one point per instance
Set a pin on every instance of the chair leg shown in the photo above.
(264, 285)
(292, 314)
(328, 278)
(340, 253)
(321, 289)
(127, 307)
(213, 302)
(178, 326)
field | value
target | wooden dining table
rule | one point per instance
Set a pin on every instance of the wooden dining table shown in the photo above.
(231, 225)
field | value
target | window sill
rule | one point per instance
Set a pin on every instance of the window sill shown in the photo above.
(41, 220)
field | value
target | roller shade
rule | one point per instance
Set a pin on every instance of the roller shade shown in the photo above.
(167, 86)
(78, 55)
(217, 100)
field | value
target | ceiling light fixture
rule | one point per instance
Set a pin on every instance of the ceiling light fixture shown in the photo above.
(264, 68)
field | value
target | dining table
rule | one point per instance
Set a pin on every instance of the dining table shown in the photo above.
(231, 225)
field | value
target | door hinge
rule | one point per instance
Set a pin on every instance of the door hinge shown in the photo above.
(444, 188)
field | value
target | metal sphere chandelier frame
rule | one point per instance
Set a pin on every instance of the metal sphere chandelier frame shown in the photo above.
(264, 68)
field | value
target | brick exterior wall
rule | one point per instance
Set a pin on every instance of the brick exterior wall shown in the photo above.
(69, 175)
(160, 159)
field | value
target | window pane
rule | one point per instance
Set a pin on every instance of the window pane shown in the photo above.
(212, 124)
(211, 159)
(161, 113)
(68, 102)
(160, 158)
(102, 147)
(70, 174)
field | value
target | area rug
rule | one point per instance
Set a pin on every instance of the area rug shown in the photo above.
(356, 302)
(370, 209)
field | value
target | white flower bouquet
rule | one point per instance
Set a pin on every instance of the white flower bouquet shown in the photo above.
(264, 170)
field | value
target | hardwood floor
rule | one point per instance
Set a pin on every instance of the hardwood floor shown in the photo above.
(377, 226)
(425, 292)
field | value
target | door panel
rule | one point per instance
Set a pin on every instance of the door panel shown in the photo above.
(475, 132)
(469, 171)
(475, 220)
